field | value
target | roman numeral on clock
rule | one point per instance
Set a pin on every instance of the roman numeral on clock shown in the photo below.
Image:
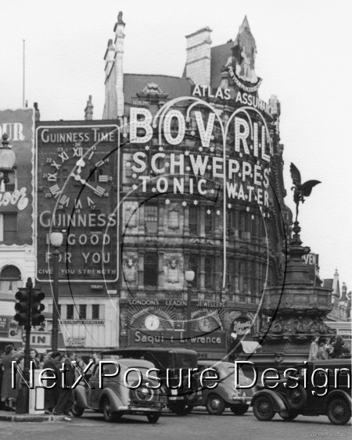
(55, 190)
(64, 201)
(99, 191)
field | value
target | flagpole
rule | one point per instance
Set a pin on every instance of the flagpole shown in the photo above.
(24, 83)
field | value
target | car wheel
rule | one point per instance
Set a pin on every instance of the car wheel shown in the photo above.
(240, 409)
(339, 412)
(215, 405)
(109, 415)
(153, 417)
(263, 409)
(77, 411)
(179, 408)
(288, 415)
(297, 397)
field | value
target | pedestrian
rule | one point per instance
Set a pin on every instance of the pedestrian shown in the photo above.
(34, 357)
(322, 353)
(9, 390)
(236, 348)
(328, 348)
(66, 397)
(52, 394)
(313, 349)
(338, 347)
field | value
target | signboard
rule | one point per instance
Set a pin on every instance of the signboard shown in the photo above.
(169, 338)
(16, 196)
(242, 326)
(77, 181)
(4, 325)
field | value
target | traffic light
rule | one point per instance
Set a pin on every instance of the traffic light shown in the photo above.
(22, 306)
(37, 307)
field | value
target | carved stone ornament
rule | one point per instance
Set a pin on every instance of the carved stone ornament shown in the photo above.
(172, 270)
(129, 269)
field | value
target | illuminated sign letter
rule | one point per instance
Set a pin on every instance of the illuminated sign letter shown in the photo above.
(144, 123)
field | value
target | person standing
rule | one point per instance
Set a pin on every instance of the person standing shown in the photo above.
(8, 392)
(313, 349)
(52, 394)
(236, 348)
(66, 397)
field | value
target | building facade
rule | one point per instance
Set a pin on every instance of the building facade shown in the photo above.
(17, 250)
(201, 190)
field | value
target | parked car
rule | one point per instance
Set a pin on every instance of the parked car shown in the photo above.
(225, 395)
(172, 362)
(310, 398)
(116, 397)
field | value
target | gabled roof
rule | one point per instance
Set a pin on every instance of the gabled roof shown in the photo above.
(173, 86)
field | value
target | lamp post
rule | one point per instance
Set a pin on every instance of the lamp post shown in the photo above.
(56, 239)
(7, 159)
(189, 276)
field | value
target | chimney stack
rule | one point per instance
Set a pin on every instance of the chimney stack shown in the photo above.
(88, 111)
(198, 61)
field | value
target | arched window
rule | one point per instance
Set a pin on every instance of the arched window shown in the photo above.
(9, 279)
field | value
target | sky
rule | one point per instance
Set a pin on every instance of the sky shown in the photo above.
(303, 56)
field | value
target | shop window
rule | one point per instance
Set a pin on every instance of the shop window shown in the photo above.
(209, 272)
(82, 311)
(69, 311)
(10, 279)
(193, 264)
(193, 220)
(150, 269)
(95, 311)
(151, 218)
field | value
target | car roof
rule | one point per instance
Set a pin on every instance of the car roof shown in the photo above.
(335, 363)
(148, 349)
(131, 362)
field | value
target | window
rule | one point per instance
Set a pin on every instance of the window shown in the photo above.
(208, 220)
(209, 272)
(193, 265)
(9, 279)
(69, 311)
(82, 311)
(151, 218)
(11, 184)
(8, 231)
(241, 226)
(151, 269)
(193, 220)
(95, 311)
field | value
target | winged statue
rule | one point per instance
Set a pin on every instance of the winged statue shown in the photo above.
(301, 190)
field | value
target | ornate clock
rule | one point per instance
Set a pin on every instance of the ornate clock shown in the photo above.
(205, 325)
(152, 322)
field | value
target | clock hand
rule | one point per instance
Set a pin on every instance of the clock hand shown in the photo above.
(80, 164)
(98, 190)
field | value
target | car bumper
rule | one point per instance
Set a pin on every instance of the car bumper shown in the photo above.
(241, 400)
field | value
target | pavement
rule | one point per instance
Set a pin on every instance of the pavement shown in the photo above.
(6, 416)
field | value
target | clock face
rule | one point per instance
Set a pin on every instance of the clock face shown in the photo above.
(205, 325)
(152, 322)
(76, 174)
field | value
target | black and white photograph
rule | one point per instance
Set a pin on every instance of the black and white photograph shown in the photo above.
(175, 219)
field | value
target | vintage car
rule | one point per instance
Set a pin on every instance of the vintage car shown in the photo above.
(225, 394)
(172, 363)
(129, 392)
(315, 388)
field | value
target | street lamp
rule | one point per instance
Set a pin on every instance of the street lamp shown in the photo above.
(7, 159)
(189, 276)
(56, 239)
